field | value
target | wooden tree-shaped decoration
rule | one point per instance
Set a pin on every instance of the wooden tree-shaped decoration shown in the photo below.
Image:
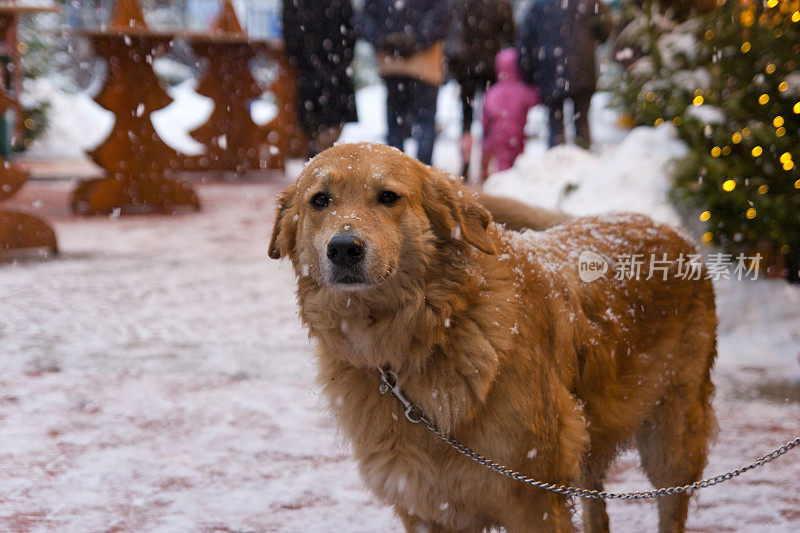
(141, 166)
(232, 140)
(17, 230)
(20, 230)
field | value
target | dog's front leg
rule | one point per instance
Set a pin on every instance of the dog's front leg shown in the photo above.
(538, 512)
(414, 524)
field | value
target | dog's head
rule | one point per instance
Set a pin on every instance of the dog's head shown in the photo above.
(360, 213)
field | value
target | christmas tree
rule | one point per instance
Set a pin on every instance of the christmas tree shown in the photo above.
(742, 168)
(663, 65)
(730, 81)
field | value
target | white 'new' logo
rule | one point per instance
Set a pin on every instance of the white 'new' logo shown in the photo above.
(591, 266)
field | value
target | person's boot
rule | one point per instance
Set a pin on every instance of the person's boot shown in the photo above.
(466, 154)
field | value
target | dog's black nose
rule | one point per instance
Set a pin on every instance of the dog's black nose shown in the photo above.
(345, 250)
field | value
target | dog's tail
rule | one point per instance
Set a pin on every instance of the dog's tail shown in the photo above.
(518, 216)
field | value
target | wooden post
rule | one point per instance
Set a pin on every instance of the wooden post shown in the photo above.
(17, 230)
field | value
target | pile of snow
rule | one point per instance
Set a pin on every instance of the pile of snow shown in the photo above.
(629, 177)
(76, 123)
(759, 330)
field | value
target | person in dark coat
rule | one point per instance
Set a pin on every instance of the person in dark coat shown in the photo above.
(408, 36)
(319, 36)
(481, 28)
(556, 44)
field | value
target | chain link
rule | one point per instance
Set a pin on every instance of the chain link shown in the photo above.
(415, 415)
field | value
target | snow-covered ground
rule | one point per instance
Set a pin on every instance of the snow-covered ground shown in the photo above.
(156, 377)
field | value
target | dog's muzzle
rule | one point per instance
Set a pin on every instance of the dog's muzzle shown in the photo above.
(345, 250)
(346, 253)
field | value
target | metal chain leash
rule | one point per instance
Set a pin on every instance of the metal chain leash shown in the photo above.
(415, 415)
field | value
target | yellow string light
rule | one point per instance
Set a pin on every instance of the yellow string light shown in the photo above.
(751, 213)
(707, 236)
(756, 151)
(651, 96)
(705, 215)
(780, 132)
(772, 3)
(709, 35)
(726, 150)
(716, 151)
(763, 99)
(763, 189)
(736, 138)
(728, 185)
(782, 86)
(698, 100)
(770, 68)
(746, 132)
(797, 184)
(786, 156)
(796, 108)
(796, 16)
(745, 47)
(789, 165)
(777, 121)
(677, 121)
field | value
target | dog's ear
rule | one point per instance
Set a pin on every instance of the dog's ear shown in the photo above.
(455, 211)
(284, 232)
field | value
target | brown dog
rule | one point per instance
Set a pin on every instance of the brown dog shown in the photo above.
(496, 337)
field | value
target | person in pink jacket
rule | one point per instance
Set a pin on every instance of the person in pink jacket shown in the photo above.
(505, 112)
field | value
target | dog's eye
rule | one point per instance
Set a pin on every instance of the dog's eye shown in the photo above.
(320, 200)
(388, 197)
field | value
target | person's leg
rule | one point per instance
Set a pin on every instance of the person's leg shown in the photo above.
(555, 111)
(424, 130)
(396, 88)
(466, 154)
(581, 103)
(480, 86)
(486, 159)
(467, 103)
(468, 89)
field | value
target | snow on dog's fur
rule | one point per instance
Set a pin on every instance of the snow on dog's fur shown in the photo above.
(495, 336)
